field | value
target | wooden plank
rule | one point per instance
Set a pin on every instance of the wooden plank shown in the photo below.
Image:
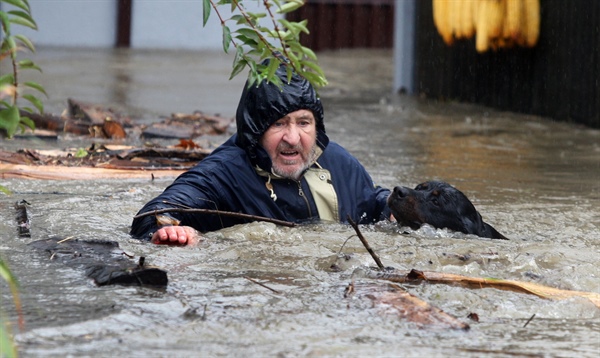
(20, 171)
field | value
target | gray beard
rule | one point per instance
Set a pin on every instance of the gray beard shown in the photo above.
(298, 173)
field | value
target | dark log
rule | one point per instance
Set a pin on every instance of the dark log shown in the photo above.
(45, 121)
(196, 155)
(102, 261)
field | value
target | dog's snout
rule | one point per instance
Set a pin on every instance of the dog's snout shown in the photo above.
(401, 191)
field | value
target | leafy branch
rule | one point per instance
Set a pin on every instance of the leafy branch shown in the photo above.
(11, 89)
(254, 42)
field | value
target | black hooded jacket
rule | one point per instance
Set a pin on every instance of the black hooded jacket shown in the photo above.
(234, 176)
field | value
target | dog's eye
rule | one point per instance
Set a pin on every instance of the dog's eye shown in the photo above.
(435, 201)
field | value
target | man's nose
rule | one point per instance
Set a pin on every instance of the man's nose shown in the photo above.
(292, 135)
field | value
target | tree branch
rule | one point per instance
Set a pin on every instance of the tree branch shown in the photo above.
(217, 212)
(366, 243)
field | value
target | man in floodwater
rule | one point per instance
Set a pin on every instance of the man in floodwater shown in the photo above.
(280, 165)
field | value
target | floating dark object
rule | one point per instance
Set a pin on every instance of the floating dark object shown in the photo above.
(23, 222)
(102, 261)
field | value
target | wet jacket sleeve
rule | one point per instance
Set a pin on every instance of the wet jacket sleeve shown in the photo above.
(192, 190)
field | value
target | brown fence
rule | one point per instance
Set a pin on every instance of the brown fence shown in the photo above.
(559, 78)
(335, 24)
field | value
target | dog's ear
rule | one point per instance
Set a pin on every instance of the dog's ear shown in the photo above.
(494, 234)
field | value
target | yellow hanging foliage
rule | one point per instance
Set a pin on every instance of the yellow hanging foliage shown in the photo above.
(494, 23)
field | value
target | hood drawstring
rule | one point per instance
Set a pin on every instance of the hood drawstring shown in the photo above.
(270, 188)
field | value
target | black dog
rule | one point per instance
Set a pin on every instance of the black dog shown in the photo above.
(440, 205)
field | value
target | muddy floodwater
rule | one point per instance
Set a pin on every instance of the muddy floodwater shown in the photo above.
(535, 180)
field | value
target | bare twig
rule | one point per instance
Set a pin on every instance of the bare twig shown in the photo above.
(366, 243)
(529, 320)
(260, 284)
(217, 212)
(344, 244)
(65, 239)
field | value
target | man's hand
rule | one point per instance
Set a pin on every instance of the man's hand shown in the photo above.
(176, 235)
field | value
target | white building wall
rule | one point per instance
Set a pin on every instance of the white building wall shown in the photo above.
(81, 23)
(177, 24)
(162, 24)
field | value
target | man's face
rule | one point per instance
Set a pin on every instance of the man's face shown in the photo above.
(291, 143)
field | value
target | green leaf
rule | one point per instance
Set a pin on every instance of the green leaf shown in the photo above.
(239, 62)
(249, 33)
(239, 19)
(293, 59)
(11, 46)
(295, 27)
(271, 69)
(314, 67)
(304, 26)
(5, 190)
(27, 64)
(7, 346)
(309, 53)
(248, 41)
(226, 38)
(206, 7)
(7, 275)
(252, 79)
(25, 41)
(289, 7)
(5, 22)
(316, 80)
(35, 86)
(256, 15)
(9, 120)
(81, 153)
(23, 21)
(35, 101)
(7, 79)
(24, 16)
(18, 3)
(28, 122)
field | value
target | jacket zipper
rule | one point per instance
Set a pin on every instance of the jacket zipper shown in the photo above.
(301, 193)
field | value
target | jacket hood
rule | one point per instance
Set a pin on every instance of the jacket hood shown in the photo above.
(262, 105)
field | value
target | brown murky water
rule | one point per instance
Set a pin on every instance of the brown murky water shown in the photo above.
(535, 180)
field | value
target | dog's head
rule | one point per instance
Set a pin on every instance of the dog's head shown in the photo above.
(440, 205)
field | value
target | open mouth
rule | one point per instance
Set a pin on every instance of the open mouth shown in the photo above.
(289, 153)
